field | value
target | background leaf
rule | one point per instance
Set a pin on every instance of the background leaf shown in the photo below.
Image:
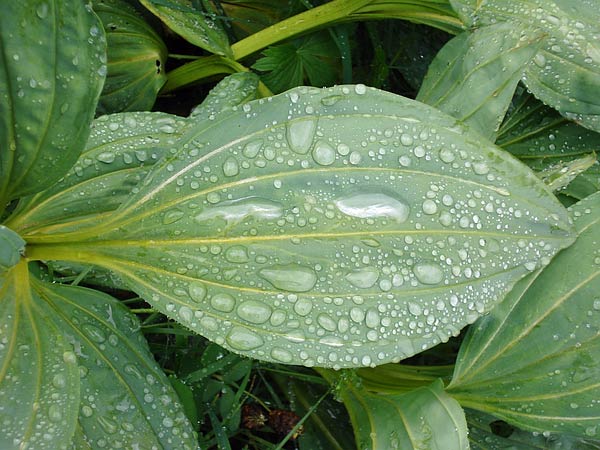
(310, 58)
(136, 59)
(542, 375)
(337, 227)
(488, 433)
(39, 378)
(474, 76)
(49, 86)
(193, 22)
(424, 418)
(565, 73)
(126, 399)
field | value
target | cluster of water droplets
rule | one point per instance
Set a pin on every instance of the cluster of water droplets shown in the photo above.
(338, 229)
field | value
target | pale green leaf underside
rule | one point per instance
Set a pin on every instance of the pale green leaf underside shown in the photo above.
(424, 418)
(195, 26)
(474, 76)
(49, 86)
(482, 436)
(136, 59)
(126, 400)
(39, 378)
(565, 73)
(548, 365)
(337, 227)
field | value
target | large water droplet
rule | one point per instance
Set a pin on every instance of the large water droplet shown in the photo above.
(303, 306)
(233, 211)
(231, 167)
(363, 278)
(254, 311)
(371, 205)
(327, 322)
(281, 355)
(222, 302)
(197, 291)
(251, 149)
(323, 153)
(291, 277)
(428, 273)
(300, 134)
(242, 339)
(106, 157)
(236, 254)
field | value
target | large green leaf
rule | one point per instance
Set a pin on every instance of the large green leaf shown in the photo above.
(474, 76)
(196, 25)
(136, 59)
(49, 86)
(488, 433)
(565, 73)
(337, 227)
(426, 418)
(126, 399)
(39, 378)
(542, 375)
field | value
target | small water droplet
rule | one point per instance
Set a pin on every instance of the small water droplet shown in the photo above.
(429, 207)
(222, 302)
(231, 167)
(281, 355)
(94, 333)
(236, 254)
(172, 216)
(42, 10)
(323, 153)
(186, 314)
(54, 413)
(447, 155)
(303, 306)
(360, 89)
(326, 322)
(197, 291)
(363, 278)
(252, 148)
(59, 381)
(106, 157)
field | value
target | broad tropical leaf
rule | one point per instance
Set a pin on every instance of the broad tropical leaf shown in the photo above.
(474, 76)
(425, 418)
(565, 73)
(39, 377)
(338, 227)
(544, 374)
(126, 399)
(49, 86)
(488, 433)
(136, 59)
(196, 25)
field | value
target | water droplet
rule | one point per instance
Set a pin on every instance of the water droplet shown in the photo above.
(281, 355)
(326, 322)
(414, 309)
(357, 315)
(108, 425)
(596, 304)
(291, 277)
(223, 302)
(406, 140)
(86, 411)
(231, 167)
(372, 318)
(54, 413)
(197, 291)
(300, 134)
(323, 153)
(360, 89)
(236, 210)
(94, 333)
(480, 168)
(363, 278)
(254, 311)
(242, 339)
(59, 381)
(447, 155)
(303, 307)
(42, 10)
(236, 254)
(251, 149)
(172, 216)
(106, 157)
(428, 273)
(429, 207)
(186, 314)
(371, 205)
(539, 60)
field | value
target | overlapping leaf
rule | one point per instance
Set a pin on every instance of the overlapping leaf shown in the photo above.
(49, 86)
(196, 25)
(424, 418)
(126, 399)
(337, 227)
(136, 59)
(474, 76)
(488, 433)
(565, 73)
(39, 377)
(543, 374)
